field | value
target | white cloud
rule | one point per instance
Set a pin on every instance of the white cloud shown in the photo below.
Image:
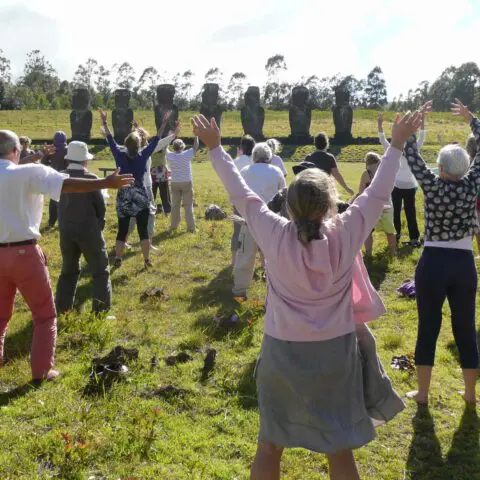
(411, 40)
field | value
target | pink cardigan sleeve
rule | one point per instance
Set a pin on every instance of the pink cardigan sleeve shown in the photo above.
(362, 216)
(261, 221)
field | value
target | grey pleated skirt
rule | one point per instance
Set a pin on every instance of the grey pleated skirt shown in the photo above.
(311, 394)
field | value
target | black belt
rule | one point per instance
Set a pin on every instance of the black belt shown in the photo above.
(18, 244)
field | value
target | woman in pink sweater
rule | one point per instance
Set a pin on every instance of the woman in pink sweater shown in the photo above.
(309, 376)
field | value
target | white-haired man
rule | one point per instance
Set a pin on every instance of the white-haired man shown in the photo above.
(265, 180)
(23, 265)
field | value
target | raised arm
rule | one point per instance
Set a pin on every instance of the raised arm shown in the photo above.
(363, 214)
(46, 151)
(114, 148)
(424, 176)
(459, 109)
(196, 144)
(381, 134)
(85, 185)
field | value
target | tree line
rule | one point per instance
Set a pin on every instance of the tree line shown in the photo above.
(40, 87)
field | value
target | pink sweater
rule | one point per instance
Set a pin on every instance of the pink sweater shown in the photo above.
(310, 294)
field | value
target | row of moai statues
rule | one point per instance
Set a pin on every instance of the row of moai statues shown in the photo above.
(252, 113)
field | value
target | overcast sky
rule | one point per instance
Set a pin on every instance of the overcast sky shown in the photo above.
(411, 40)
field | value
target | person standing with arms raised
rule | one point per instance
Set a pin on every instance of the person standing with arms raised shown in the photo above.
(23, 265)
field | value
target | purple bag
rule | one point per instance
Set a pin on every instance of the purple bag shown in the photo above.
(407, 289)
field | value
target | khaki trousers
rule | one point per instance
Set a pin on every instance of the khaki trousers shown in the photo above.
(182, 191)
(245, 262)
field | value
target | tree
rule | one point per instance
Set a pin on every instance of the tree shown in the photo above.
(40, 76)
(5, 68)
(102, 83)
(376, 89)
(466, 82)
(235, 88)
(214, 75)
(85, 74)
(441, 91)
(147, 83)
(125, 76)
(276, 91)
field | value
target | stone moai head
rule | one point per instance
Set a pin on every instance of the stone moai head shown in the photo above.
(81, 99)
(165, 94)
(122, 98)
(210, 93)
(252, 97)
(300, 96)
(342, 96)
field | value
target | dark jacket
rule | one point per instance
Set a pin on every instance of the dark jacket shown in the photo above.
(87, 210)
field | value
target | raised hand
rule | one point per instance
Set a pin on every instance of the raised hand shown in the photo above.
(426, 107)
(207, 132)
(404, 127)
(135, 124)
(380, 118)
(460, 110)
(166, 117)
(103, 115)
(116, 181)
(177, 127)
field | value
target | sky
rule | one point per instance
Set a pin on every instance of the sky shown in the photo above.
(411, 40)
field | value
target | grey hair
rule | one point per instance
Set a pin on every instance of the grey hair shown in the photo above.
(178, 145)
(454, 160)
(261, 153)
(8, 141)
(274, 145)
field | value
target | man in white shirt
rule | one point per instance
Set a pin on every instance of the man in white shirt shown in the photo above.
(404, 190)
(266, 181)
(23, 265)
(244, 158)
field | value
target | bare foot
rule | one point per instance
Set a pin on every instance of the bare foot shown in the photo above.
(413, 395)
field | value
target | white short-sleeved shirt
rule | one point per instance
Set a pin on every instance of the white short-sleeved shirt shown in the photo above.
(264, 179)
(21, 198)
(278, 162)
(243, 161)
(180, 165)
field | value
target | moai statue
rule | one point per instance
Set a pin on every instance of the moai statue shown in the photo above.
(300, 113)
(253, 115)
(81, 117)
(165, 94)
(122, 116)
(210, 107)
(342, 115)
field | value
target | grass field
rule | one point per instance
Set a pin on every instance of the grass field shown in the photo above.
(60, 431)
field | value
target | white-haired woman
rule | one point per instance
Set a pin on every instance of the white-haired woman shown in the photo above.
(446, 269)
(266, 181)
(277, 161)
(181, 182)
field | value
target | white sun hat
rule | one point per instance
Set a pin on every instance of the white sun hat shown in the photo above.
(78, 152)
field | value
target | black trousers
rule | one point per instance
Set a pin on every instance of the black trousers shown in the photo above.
(142, 226)
(164, 189)
(446, 273)
(52, 213)
(407, 196)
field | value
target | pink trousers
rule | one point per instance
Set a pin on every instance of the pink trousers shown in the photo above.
(25, 268)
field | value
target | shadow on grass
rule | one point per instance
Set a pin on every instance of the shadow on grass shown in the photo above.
(247, 391)
(425, 457)
(463, 459)
(425, 454)
(11, 395)
(19, 344)
(377, 267)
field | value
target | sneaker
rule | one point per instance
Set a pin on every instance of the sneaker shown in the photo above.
(117, 263)
(127, 246)
(416, 243)
(51, 375)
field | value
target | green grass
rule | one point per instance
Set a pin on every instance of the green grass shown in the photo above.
(210, 433)
(442, 127)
